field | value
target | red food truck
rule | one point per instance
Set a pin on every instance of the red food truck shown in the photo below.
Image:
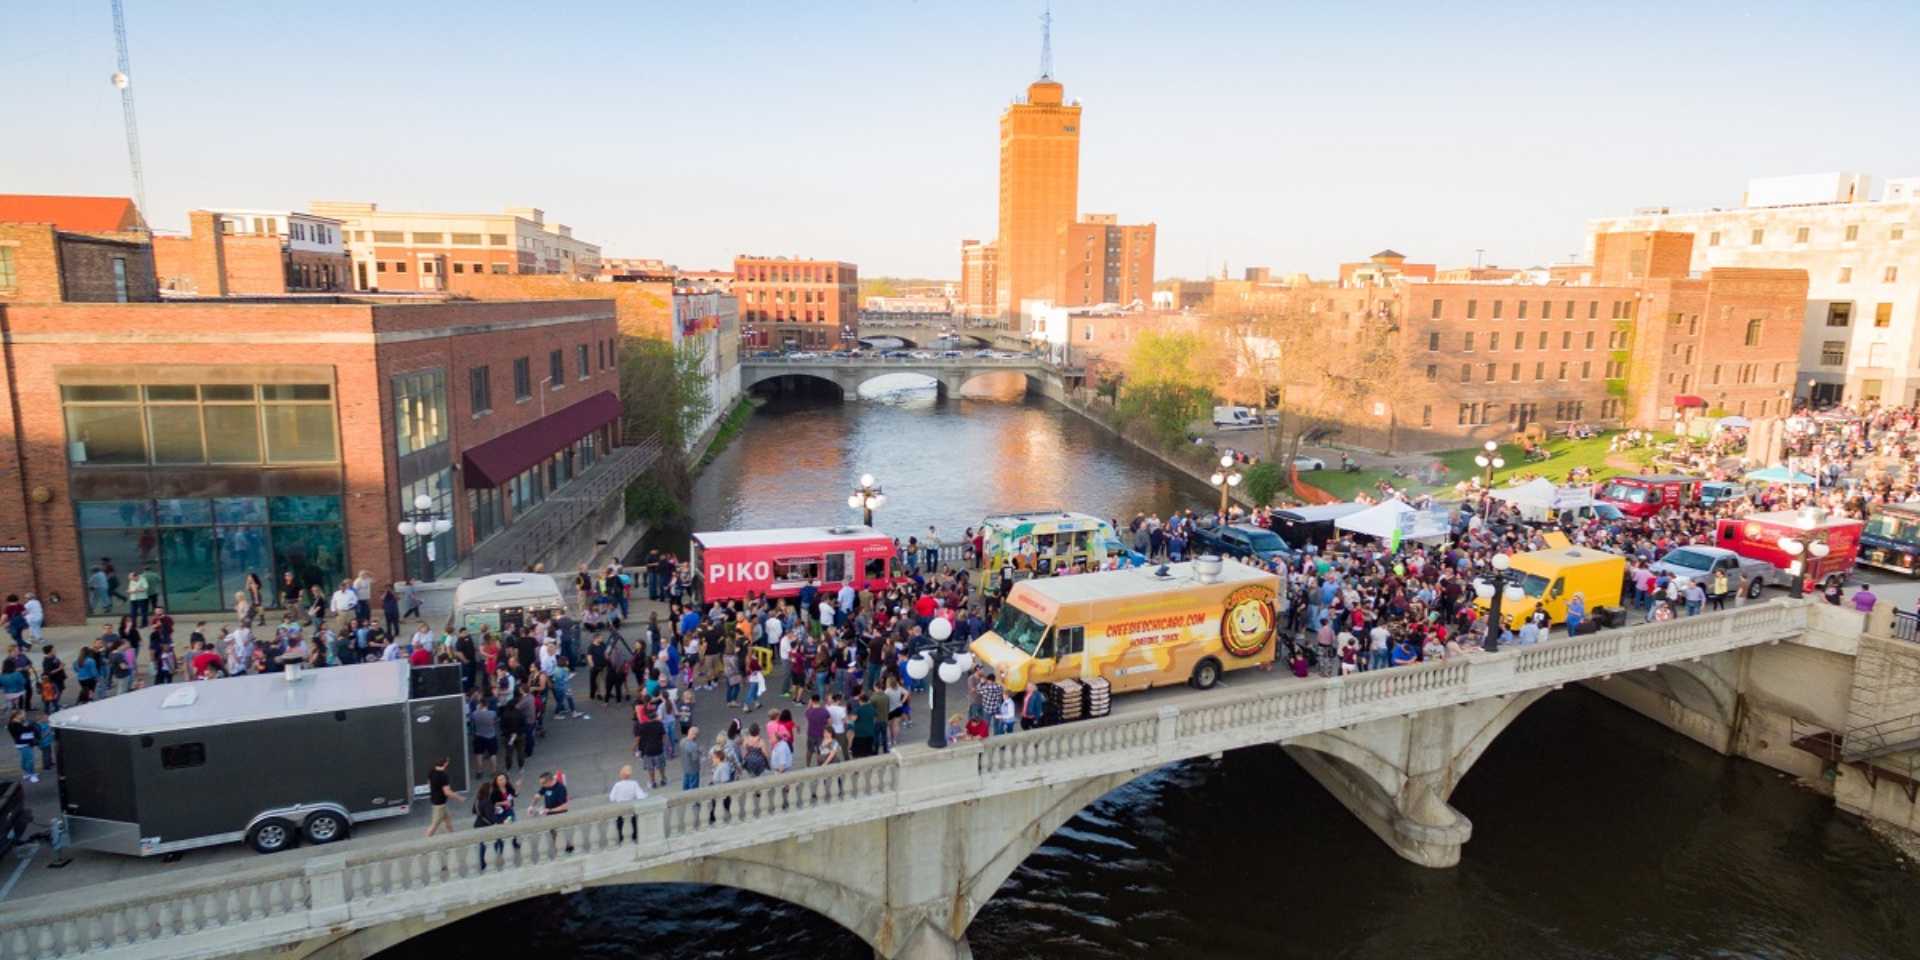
(733, 563)
(1646, 495)
(1757, 536)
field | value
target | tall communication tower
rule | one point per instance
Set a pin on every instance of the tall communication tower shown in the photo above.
(1046, 42)
(123, 79)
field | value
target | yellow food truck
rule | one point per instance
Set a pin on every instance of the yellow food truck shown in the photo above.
(1552, 576)
(1136, 628)
(1044, 540)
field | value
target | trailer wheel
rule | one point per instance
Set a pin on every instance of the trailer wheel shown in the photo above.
(1754, 587)
(1206, 673)
(270, 836)
(324, 827)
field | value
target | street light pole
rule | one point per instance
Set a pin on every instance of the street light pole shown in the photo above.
(1488, 463)
(935, 652)
(1494, 592)
(422, 523)
(1226, 478)
(867, 498)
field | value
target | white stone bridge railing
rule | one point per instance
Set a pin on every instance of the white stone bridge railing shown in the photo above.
(331, 891)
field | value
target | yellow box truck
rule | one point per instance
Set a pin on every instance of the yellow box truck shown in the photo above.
(1550, 578)
(1137, 628)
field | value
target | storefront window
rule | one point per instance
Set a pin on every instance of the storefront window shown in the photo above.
(183, 423)
(199, 552)
(420, 410)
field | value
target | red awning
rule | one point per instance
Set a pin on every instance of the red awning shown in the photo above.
(1686, 400)
(501, 459)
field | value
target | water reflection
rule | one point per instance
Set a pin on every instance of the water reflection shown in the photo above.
(944, 465)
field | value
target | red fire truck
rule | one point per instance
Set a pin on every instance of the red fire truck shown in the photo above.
(1757, 536)
(733, 563)
(1644, 496)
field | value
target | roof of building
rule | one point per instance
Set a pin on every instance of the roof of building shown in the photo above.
(1389, 254)
(256, 696)
(95, 214)
(752, 538)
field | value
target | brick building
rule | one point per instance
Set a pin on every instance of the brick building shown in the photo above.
(254, 253)
(210, 439)
(979, 278)
(404, 251)
(797, 304)
(642, 308)
(1486, 359)
(1104, 261)
(1860, 337)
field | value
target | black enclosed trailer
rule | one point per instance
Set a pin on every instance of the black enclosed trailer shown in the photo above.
(267, 758)
(1301, 527)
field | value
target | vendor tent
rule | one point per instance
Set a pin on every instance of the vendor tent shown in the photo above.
(1383, 520)
(1538, 492)
(1779, 475)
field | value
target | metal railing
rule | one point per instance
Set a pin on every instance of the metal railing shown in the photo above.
(846, 361)
(250, 909)
(1906, 625)
(536, 533)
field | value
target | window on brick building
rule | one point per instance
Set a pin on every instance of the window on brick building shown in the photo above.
(499, 268)
(1489, 373)
(1839, 314)
(480, 389)
(399, 266)
(1515, 374)
(1543, 340)
(1433, 341)
(1853, 232)
(1540, 370)
(1569, 315)
(1759, 237)
(1586, 369)
(466, 239)
(120, 279)
(1800, 235)
(1589, 339)
(1713, 239)
(522, 379)
(1473, 309)
(7, 276)
(1426, 414)
(1521, 310)
(1563, 369)
(496, 239)
(389, 236)
(1892, 275)
(1593, 310)
(1898, 232)
(1883, 314)
(459, 267)
(1433, 371)
(556, 370)
(1496, 308)
(1435, 314)
(1468, 343)
(380, 266)
(580, 360)
(1846, 275)
(1466, 373)
(1566, 339)
(1493, 341)
(1546, 309)
(1753, 332)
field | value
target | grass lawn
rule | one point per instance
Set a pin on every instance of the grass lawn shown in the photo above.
(1567, 454)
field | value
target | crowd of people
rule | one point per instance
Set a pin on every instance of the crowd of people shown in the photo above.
(821, 677)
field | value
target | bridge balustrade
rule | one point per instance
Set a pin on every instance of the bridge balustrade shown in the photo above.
(285, 900)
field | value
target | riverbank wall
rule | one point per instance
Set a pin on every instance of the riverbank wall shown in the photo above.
(1101, 414)
(1802, 707)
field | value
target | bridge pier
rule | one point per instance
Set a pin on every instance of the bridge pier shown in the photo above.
(1396, 774)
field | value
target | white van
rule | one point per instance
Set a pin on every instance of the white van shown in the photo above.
(1235, 417)
(505, 600)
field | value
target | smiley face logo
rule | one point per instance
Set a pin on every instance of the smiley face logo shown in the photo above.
(1246, 625)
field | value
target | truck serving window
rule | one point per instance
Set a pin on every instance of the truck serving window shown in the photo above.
(796, 569)
(1019, 630)
(182, 755)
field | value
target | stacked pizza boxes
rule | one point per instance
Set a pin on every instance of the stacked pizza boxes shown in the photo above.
(1073, 700)
(1099, 692)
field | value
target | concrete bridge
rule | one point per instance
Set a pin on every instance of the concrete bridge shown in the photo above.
(905, 848)
(849, 373)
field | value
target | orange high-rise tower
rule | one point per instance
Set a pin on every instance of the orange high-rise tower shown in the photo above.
(1039, 188)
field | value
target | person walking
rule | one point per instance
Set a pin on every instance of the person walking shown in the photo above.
(690, 759)
(439, 791)
(626, 790)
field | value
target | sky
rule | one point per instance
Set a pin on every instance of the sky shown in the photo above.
(1277, 134)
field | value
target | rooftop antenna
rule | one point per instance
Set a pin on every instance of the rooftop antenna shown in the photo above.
(1047, 41)
(123, 79)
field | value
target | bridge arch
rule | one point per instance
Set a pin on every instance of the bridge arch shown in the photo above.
(776, 380)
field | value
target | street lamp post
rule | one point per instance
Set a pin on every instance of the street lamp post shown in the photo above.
(1493, 592)
(1488, 463)
(1226, 478)
(867, 498)
(422, 524)
(936, 652)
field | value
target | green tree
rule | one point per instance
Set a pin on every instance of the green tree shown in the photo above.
(663, 394)
(1169, 384)
(1264, 481)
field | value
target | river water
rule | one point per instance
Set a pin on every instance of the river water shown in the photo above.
(1597, 834)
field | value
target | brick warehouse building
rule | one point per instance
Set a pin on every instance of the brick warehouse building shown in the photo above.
(211, 439)
(797, 304)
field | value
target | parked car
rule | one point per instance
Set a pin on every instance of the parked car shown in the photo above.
(1240, 540)
(1309, 463)
(1715, 492)
(1699, 564)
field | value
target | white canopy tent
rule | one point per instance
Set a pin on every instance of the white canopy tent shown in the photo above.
(1382, 520)
(1538, 492)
